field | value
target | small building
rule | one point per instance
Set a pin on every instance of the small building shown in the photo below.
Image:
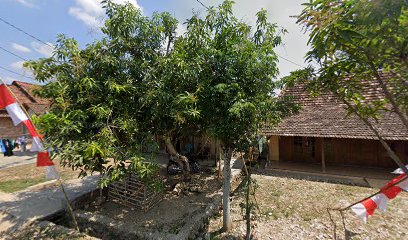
(34, 105)
(322, 134)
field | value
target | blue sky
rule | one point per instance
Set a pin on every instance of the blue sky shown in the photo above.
(80, 19)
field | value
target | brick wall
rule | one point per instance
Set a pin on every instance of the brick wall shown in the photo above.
(8, 130)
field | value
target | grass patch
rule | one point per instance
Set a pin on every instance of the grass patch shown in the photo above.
(19, 184)
(14, 185)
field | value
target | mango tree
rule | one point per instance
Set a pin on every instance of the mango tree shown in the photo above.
(234, 66)
(141, 80)
(98, 93)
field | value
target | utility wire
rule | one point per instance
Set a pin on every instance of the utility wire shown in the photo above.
(43, 42)
(26, 33)
(14, 72)
(202, 4)
(288, 60)
(2, 48)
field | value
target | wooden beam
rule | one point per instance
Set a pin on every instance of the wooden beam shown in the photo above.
(274, 148)
(323, 159)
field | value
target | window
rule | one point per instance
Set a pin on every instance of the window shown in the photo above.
(311, 142)
(297, 141)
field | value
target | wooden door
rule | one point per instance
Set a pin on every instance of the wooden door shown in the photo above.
(309, 150)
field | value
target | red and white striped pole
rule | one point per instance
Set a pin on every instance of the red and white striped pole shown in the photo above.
(18, 115)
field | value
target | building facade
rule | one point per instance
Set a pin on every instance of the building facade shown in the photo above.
(321, 133)
(24, 93)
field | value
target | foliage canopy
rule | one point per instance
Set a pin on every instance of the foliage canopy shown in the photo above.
(141, 80)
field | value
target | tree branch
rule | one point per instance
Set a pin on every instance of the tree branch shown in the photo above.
(390, 152)
(387, 93)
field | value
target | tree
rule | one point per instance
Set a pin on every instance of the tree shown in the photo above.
(358, 45)
(142, 80)
(97, 115)
(233, 65)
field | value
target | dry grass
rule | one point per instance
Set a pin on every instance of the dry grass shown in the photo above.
(297, 209)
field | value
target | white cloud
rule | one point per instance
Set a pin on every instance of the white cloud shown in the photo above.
(20, 48)
(91, 12)
(279, 11)
(18, 65)
(87, 18)
(27, 3)
(7, 79)
(42, 48)
(24, 72)
(181, 29)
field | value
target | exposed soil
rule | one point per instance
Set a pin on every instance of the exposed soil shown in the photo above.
(297, 209)
(182, 200)
(45, 231)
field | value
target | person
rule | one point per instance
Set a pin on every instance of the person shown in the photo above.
(187, 149)
(8, 145)
(22, 140)
(16, 144)
(2, 147)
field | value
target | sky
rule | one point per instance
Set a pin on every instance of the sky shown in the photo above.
(45, 19)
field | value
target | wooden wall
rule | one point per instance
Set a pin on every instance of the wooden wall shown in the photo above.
(346, 152)
(274, 148)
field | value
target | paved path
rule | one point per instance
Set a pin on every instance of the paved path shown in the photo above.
(21, 208)
(17, 160)
(38, 204)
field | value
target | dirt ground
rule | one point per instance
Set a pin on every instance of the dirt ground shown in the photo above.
(181, 201)
(297, 209)
(47, 232)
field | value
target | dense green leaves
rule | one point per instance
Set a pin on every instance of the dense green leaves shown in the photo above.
(96, 117)
(234, 65)
(140, 80)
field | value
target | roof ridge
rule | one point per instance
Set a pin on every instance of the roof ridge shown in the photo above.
(17, 84)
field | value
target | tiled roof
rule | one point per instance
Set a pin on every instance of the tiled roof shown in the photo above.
(24, 92)
(325, 116)
(37, 108)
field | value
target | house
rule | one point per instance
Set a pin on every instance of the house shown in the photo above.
(23, 92)
(322, 134)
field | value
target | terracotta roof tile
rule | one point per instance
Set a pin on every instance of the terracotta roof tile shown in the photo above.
(325, 116)
(24, 92)
(36, 107)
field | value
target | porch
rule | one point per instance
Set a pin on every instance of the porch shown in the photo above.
(351, 175)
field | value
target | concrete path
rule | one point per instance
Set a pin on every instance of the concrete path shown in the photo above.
(17, 160)
(38, 204)
(24, 207)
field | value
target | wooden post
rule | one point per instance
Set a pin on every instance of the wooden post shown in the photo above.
(193, 150)
(323, 160)
(215, 153)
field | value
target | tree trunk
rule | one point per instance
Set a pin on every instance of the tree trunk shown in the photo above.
(388, 94)
(181, 160)
(390, 152)
(227, 224)
(248, 209)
